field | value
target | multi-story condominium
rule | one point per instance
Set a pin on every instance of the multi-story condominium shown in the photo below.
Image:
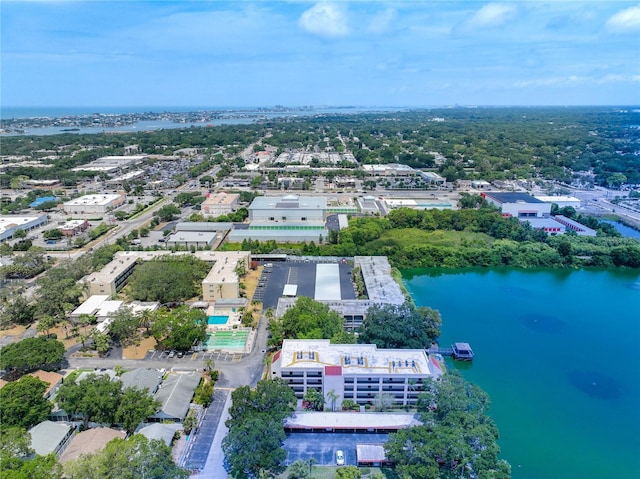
(359, 372)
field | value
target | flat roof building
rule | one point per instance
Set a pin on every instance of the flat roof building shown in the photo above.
(93, 204)
(519, 205)
(290, 218)
(561, 201)
(220, 204)
(9, 224)
(187, 239)
(359, 372)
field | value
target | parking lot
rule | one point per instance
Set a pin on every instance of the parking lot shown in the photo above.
(195, 356)
(323, 446)
(303, 274)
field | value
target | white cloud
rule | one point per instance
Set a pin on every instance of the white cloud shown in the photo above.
(325, 19)
(383, 21)
(493, 14)
(576, 80)
(627, 20)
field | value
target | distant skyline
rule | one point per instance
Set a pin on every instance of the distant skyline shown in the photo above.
(365, 53)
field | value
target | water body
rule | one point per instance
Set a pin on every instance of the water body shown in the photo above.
(558, 353)
(623, 229)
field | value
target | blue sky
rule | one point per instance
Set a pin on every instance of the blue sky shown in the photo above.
(366, 53)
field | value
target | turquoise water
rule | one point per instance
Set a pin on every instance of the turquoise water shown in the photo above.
(558, 353)
(218, 319)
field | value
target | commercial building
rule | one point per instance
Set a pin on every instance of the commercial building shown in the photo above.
(187, 239)
(93, 204)
(417, 204)
(111, 163)
(519, 205)
(561, 201)
(359, 372)
(220, 204)
(290, 218)
(73, 227)
(9, 224)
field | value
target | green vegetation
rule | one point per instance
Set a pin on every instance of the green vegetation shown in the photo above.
(256, 432)
(133, 458)
(400, 327)
(17, 459)
(23, 404)
(308, 319)
(179, 328)
(31, 354)
(99, 399)
(168, 280)
(457, 438)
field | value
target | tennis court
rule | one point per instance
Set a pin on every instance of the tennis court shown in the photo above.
(235, 339)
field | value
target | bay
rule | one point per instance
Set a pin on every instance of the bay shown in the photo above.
(557, 351)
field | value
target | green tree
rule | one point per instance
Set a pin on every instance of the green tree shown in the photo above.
(307, 319)
(134, 458)
(16, 461)
(168, 280)
(313, 400)
(95, 398)
(123, 328)
(135, 406)
(30, 354)
(22, 403)
(298, 470)
(348, 472)
(167, 213)
(400, 327)
(180, 328)
(254, 444)
(18, 310)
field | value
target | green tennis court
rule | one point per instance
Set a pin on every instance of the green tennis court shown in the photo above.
(235, 339)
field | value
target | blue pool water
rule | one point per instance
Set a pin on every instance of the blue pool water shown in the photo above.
(218, 319)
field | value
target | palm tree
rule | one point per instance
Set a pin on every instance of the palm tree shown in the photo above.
(332, 397)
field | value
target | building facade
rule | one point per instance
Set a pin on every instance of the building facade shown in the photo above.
(358, 372)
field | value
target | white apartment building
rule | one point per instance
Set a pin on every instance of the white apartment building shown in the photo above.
(358, 372)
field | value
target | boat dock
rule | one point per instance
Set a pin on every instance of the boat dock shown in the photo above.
(458, 351)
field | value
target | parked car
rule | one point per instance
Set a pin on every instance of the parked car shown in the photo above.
(339, 458)
(180, 354)
(172, 354)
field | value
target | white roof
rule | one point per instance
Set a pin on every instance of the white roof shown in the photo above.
(290, 290)
(93, 200)
(351, 420)
(47, 436)
(91, 305)
(355, 359)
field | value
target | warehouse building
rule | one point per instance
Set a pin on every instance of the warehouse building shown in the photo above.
(290, 218)
(93, 204)
(9, 224)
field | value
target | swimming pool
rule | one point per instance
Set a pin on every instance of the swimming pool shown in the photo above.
(218, 319)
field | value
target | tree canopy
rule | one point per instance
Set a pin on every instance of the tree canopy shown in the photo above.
(22, 403)
(308, 319)
(400, 327)
(17, 461)
(179, 328)
(133, 458)
(457, 438)
(168, 280)
(30, 354)
(96, 398)
(256, 432)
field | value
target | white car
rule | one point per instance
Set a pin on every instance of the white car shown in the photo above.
(339, 458)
